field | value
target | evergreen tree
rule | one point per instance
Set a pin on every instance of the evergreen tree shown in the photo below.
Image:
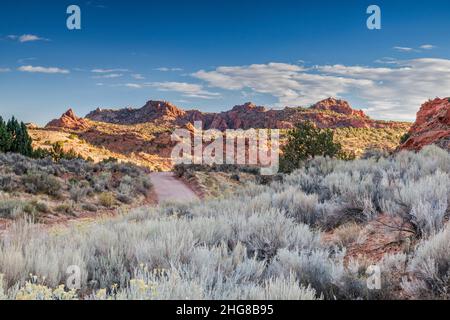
(5, 137)
(14, 137)
(13, 128)
(306, 141)
(25, 141)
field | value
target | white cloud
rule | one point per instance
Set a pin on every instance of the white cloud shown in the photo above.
(133, 85)
(109, 76)
(50, 70)
(138, 76)
(408, 49)
(427, 47)
(26, 38)
(190, 90)
(393, 92)
(386, 60)
(404, 49)
(165, 69)
(4, 70)
(108, 70)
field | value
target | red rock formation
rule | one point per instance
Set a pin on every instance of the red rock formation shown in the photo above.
(162, 109)
(432, 126)
(69, 121)
(329, 113)
(338, 106)
(153, 110)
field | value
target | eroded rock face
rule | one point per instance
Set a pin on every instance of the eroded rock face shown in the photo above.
(329, 113)
(69, 121)
(432, 126)
(338, 106)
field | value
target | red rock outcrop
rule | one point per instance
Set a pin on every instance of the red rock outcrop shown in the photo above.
(153, 110)
(338, 106)
(69, 121)
(432, 126)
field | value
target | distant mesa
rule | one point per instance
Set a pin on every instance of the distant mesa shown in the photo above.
(69, 121)
(432, 126)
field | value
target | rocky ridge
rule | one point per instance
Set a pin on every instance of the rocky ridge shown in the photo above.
(328, 113)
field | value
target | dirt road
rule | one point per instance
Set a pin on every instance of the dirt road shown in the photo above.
(169, 188)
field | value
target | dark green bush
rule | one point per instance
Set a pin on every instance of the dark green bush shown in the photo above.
(404, 138)
(305, 142)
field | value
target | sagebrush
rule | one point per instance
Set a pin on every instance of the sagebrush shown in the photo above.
(265, 243)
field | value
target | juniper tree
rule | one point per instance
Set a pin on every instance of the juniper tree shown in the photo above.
(5, 137)
(14, 137)
(306, 141)
(25, 141)
(13, 128)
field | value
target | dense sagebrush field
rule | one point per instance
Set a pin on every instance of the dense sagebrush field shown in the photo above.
(39, 188)
(269, 242)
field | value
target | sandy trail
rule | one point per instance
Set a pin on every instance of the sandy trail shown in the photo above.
(168, 188)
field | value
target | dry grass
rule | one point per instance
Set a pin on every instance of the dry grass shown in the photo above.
(347, 233)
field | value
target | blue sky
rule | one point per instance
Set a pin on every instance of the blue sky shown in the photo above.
(214, 54)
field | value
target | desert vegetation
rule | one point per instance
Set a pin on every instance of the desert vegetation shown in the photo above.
(359, 141)
(306, 141)
(42, 188)
(219, 180)
(135, 144)
(290, 239)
